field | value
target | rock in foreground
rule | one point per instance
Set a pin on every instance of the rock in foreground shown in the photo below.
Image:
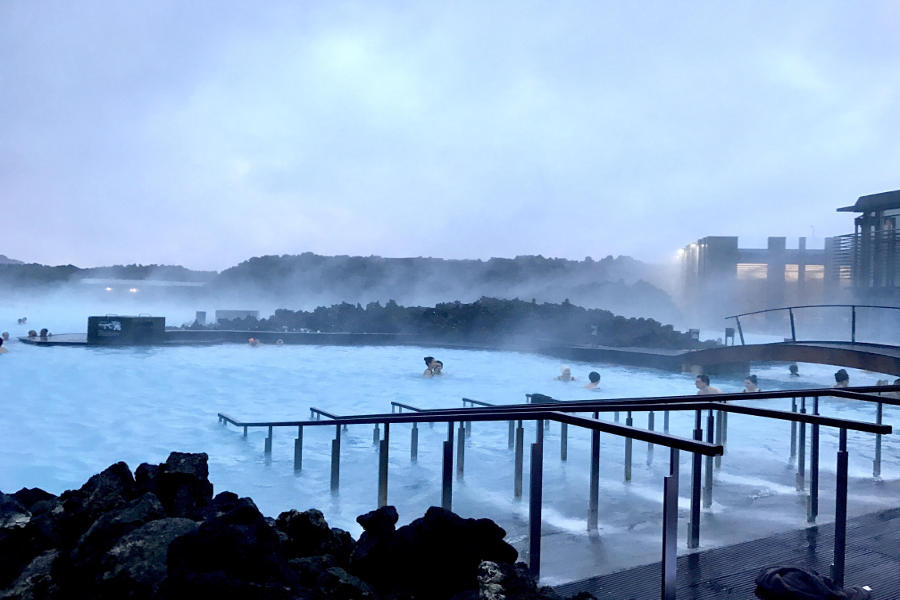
(160, 534)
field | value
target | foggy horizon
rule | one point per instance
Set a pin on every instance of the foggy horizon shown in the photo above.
(205, 134)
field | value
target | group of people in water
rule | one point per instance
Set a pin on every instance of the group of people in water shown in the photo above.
(4, 337)
(593, 378)
(433, 367)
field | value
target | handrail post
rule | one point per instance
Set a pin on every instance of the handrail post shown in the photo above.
(650, 418)
(461, 449)
(708, 479)
(665, 421)
(414, 443)
(511, 443)
(720, 436)
(801, 450)
(593, 501)
(793, 431)
(267, 450)
(336, 460)
(853, 325)
(520, 450)
(813, 507)
(840, 512)
(563, 441)
(876, 464)
(447, 470)
(740, 331)
(793, 330)
(696, 464)
(376, 436)
(535, 499)
(670, 528)
(298, 449)
(245, 431)
(628, 422)
(383, 466)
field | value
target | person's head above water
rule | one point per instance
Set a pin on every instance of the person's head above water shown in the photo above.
(703, 379)
(428, 360)
(594, 376)
(436, 367)
(841, 376)
(794, 370)
(5, 335)
(752, 379)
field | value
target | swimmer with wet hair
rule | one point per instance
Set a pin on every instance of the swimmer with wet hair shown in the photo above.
(437, 368)
(594, 378)
(32, 333)
(703, 387)
(44, 333)
(429, 364)
(751, 383)
(841, 378)
(795, 372)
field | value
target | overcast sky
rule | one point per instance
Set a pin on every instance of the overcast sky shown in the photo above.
(204, 133)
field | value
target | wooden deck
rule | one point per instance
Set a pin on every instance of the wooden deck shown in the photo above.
(873, 559)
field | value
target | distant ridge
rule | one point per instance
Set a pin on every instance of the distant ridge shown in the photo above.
(5, 260)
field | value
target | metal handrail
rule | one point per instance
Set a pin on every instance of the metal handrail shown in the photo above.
(320, 412)
(790, 309)
(758, 312)
(561, 413)
(478, 402)
(661, 439)
(406, 406)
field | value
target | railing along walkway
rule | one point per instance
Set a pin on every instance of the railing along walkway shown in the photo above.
(540, 413)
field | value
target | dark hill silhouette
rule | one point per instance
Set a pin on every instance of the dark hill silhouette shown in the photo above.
(618, 284)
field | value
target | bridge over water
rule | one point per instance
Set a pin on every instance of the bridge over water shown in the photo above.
(852, 352)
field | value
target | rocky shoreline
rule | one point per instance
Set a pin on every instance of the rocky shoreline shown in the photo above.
(159, 533)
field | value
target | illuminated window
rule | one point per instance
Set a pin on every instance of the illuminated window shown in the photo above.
(752, 270)
(791, 272)
(814, 272)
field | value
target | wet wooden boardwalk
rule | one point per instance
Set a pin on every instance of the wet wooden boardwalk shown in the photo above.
(873, 559)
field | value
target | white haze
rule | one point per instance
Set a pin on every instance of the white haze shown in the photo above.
(202, 133)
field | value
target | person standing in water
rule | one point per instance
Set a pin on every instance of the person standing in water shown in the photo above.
(703, 387)
(566, 375)
(841, 379)
(750, 383)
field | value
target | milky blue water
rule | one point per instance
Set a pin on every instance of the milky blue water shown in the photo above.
(70, 412)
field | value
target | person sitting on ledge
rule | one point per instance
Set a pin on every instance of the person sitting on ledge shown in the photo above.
(594, 376)
(841, 379)
(795, 372)
(566, 375)
(703, 387)
(750, 383)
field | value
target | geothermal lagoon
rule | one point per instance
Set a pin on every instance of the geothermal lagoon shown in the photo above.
(70, 412)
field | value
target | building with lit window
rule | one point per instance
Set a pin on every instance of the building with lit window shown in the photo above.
(719, 277)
